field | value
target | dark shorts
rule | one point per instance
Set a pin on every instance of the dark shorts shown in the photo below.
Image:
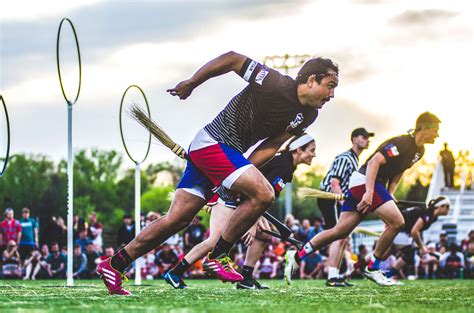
(408, 254)
(331, 211)
(25, 250)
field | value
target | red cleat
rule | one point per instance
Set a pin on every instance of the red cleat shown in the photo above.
(113, 279)
(222, 268)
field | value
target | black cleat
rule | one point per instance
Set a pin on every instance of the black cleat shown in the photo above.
(346, 282)
(335, 282)
(251, 284)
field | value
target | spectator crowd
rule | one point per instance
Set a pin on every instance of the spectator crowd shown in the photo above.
(28, 253)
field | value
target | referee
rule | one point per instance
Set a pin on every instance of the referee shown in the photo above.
(337, 181)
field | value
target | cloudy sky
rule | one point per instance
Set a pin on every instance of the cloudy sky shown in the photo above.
(398, 58)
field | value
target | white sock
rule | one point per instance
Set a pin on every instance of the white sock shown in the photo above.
(333, 272)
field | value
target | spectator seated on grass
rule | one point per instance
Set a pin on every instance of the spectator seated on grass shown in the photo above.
(91, 256)
(267, 265)
(166, 258)
(83, 240)
(57, 261)
(11, 261)
(452, 262)
(79, 263)
(312, 267)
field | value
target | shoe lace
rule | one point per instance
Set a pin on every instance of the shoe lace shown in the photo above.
(124, 277)
(226, 262)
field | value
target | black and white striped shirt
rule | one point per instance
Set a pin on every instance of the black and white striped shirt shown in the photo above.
(267, 107)
(341, 168)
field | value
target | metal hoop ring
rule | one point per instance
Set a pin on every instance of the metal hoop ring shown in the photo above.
(8, 137)
(59, 66)
(121, 128)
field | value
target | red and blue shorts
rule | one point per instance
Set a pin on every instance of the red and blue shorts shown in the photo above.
(213, 164)
(357, 191)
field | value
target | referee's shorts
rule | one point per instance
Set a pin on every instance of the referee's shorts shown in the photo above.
(331, 210)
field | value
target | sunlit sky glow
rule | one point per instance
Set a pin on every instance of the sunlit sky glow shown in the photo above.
(397, 58)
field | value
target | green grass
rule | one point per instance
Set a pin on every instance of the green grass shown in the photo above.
(213, 296)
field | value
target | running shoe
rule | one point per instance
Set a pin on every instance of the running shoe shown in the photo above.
(251, 284)
(290, 265)
(335, 282)
(112, 278)
(174, 280)
(346, 282)
(377, 276)
(222, 268)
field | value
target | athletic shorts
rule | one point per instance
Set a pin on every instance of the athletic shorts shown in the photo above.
(357, 190)
(212, 164)
(223, 196)
(403, 239)
(331, 211)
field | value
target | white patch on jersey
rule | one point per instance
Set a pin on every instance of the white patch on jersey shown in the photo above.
(261, 75)
(250, 70)
(393, 151)
(298, 120)
(416, 158)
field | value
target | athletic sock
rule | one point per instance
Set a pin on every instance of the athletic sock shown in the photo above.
(307, 249)
(121, 260)
(221, 247)
(180, 268)
(391, 273)
(333, 272)
(247, 272)
(374, 263)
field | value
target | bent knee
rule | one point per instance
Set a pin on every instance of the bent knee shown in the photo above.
(397, 225)
(267, 196)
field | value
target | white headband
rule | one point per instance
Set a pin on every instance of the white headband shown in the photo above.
(445, 201)
(300, 142)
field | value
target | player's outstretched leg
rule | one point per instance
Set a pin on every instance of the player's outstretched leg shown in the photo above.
(336, 253)
(346, 224)
(392, 217)
(260, 195)
(113, 279)
(252, 256)
(183, 209)
(220, 214)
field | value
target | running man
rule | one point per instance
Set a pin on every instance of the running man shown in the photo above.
(337, 181)
(371, 190)
(417, 220)
(273, 107)
(278, 171)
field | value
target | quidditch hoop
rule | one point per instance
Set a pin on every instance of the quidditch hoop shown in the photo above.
(69, 101)
(7, 154)
(121, 127)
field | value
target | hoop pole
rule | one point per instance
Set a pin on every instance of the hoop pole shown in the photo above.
(70, 226)
(7, 154)
(138, 274)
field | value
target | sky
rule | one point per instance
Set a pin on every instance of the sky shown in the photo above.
(397, 59)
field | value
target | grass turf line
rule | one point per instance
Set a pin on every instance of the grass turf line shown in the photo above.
(213, 296)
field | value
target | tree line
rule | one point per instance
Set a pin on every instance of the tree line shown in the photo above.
(104, 185)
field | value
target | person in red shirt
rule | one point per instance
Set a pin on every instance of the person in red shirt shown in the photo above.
(10, 229)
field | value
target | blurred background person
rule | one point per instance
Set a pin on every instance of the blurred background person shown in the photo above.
(29, 234)
(11, 261)
(447, 160)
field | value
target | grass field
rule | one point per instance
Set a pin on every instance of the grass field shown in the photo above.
(213, 296)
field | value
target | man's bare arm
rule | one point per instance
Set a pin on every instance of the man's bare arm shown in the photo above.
(268, 148)
(227, 62)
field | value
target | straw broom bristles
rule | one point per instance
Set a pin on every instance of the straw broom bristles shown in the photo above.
(365, 231)
(138, 114)
(305, 192)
